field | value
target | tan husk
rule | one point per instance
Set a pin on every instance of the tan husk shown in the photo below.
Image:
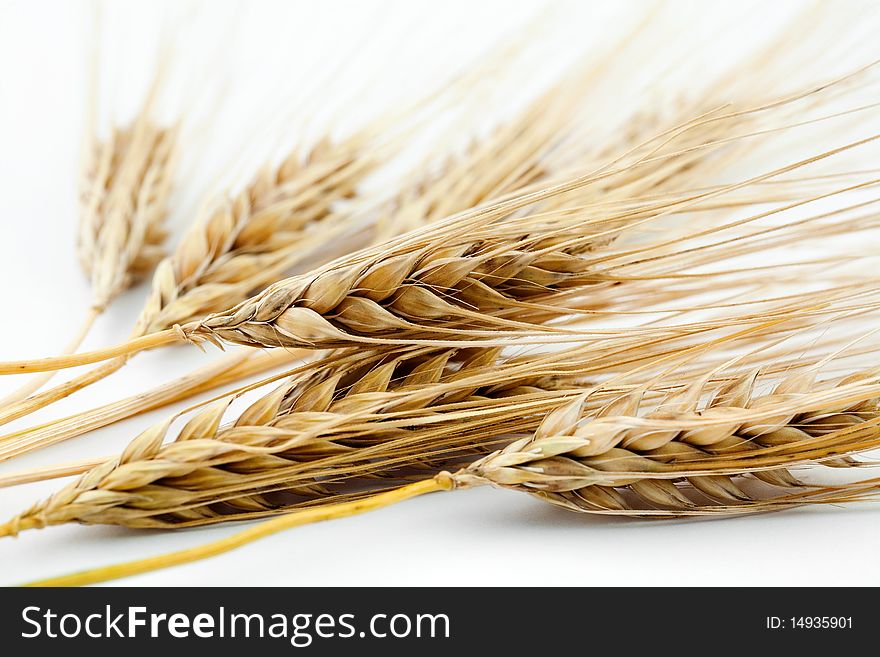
(252, 239)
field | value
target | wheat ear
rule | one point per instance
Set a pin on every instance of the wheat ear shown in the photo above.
(586, 463)
(318, 335)
(256, 236)
(127, 181)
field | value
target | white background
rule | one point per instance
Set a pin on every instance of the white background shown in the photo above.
(255, 57)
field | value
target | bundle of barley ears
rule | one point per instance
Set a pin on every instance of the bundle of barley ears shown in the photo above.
(616, 324)
(201, 276)
(290, 212)
(240, 246)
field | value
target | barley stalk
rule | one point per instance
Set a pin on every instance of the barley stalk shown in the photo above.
(228, 369)
(39, 380)
(278, 295)
(245, 537)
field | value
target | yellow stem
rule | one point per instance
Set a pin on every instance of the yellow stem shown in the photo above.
(87, 357)
(267, 528)
(240, 364)
(60, 391)
(50, 472)
(38, 382)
